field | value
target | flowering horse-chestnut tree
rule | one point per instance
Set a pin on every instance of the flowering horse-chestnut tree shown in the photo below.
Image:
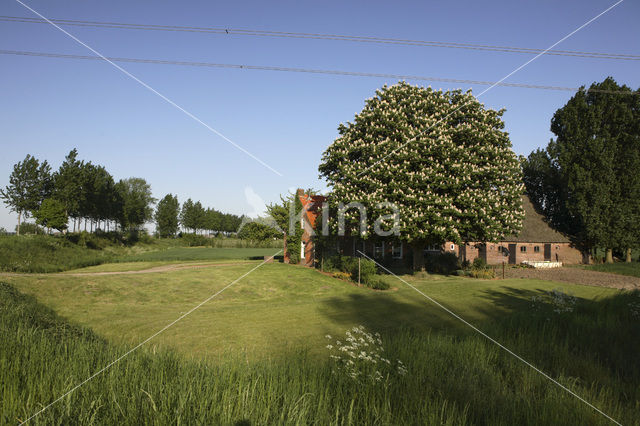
(441, 158)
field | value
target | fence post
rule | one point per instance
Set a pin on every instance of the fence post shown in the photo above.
(359, 269)
(503, 269)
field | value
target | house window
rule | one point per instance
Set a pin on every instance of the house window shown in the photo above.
(378, 249)
(396, 251)
(536, 249)
(523, 249)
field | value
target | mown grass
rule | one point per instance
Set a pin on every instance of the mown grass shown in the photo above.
(454, 376)
(199, 253)
(632, 269)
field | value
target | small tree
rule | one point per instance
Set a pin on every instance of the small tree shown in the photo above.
(166, 216)
(67, 186)
(137, 200)
(29, 184)
(283, 213)
(257, 231)
(52, 214)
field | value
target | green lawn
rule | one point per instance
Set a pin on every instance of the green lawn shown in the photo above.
(622, 268)
(264, 347)
(199, 253)
(276, 306)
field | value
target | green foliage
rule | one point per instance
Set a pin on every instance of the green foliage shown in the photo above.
(257, 231)
(42, 253)
(52, 214)
(166, 216)
(136, 197)
(438, 156)
(29, 184)
(194, 240)
(194, 217)
(479, 263)
(68, 183)
(349, 265)
(378, 283)
(442, 263)
(585, 180)
(30, 228)
(286, 217)
(367, 268)
(486, 273)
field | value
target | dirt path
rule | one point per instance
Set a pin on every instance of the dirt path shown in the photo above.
(576, 276)
(155, 269)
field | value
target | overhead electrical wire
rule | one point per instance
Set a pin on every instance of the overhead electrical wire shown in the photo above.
(319, 36)
(303, 70)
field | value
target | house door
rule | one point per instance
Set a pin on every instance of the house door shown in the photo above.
(512, 254)
(547, 252)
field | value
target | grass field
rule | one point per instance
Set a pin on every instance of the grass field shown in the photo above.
(45, 253)
(199, 254)
(622, 268)
(257, 351)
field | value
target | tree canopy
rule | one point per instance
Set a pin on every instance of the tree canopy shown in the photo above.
(441, 157)
(587, 180)
(29, 184)
(166, 216)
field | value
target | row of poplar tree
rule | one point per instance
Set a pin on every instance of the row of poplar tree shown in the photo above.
(170, 217)
(84, 196)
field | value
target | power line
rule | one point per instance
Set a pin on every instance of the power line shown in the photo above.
(319, 36)
(305, 70)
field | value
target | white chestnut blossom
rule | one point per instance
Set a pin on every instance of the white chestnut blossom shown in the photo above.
(441, 157)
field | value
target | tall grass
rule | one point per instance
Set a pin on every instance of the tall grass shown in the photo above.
(622, 268)
(43, 253)
(454, 379)
(46, 253)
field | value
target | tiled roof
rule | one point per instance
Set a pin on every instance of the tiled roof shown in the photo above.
(535, 228)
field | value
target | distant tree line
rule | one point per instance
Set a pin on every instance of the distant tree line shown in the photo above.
(587, 180)
(192, 217)
(84, 196)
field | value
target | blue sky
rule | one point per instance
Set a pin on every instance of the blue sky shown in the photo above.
(49, 106)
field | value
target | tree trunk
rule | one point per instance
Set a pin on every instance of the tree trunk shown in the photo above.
(609, 256)
(418, 257)
(628, 256)
(19, 219)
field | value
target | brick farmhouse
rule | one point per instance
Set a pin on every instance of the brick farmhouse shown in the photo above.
(537, 241)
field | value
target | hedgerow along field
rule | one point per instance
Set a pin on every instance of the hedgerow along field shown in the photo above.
(257, 353)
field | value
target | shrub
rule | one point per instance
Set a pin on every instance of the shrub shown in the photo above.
(342, 275)
(194, 240)
(367, 271)
(377, 283)
(479, 263)
(442, 263)
(485, 274)
(30, 228)
(340, 263)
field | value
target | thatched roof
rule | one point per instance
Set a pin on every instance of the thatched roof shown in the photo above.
(535, 228)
